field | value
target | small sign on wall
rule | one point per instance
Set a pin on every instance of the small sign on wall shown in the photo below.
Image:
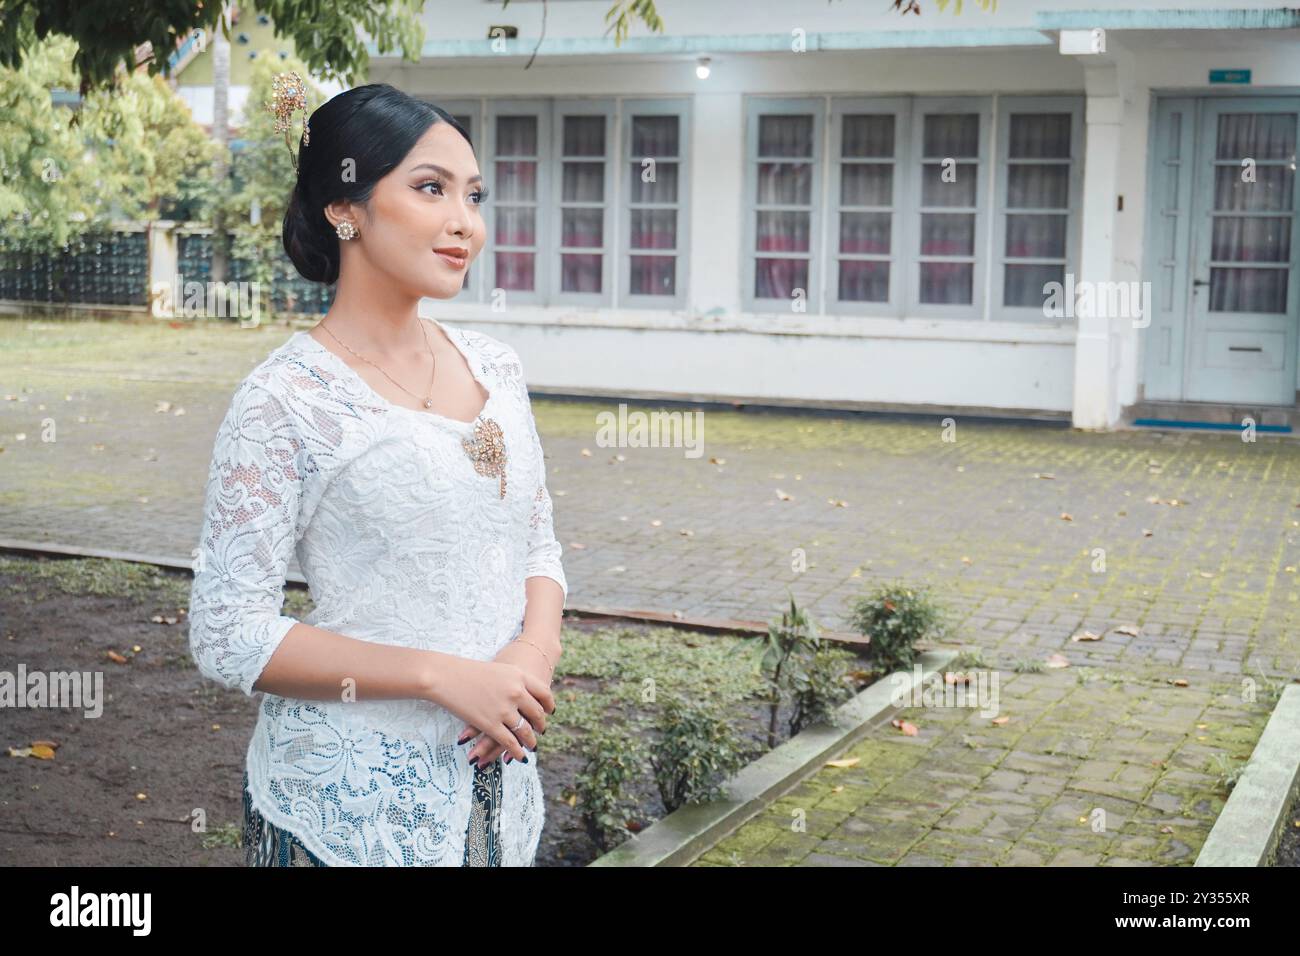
(1230, 76)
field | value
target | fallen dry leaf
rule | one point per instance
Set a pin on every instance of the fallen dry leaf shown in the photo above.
(1086, 636)
(116, 658)
(952, 677)
(843, 762)
(1056, 660)
(41, 752)
(908, 729)
(1045, 474)
(782, 495)
(1129, 630)
(1066, 516)
(1178, 682)
(999, 721)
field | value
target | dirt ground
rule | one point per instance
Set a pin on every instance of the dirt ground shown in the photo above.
(123, 789)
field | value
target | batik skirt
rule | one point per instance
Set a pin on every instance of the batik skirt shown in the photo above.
(266, 844)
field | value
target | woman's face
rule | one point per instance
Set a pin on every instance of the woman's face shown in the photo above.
(429, 202)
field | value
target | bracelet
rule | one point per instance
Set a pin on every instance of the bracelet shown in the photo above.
(540, 651)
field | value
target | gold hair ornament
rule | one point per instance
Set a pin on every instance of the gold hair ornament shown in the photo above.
(289, 95)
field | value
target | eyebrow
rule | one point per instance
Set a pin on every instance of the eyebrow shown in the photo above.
(445, 172)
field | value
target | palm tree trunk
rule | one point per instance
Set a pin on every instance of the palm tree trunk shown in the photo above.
(221, 133)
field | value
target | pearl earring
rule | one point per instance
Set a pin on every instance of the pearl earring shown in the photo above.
(346, 230)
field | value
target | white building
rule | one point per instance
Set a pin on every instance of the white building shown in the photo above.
(857, 209)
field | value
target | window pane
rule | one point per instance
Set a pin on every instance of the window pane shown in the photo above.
(1039, 136)
(1036, 237)
(654, 136)
(952, 134)
(1248, 290)
(865, 232)
(959, 192)
(785, 135)
(1023, 284)
(584, 136)
(662, 188)
(583, 182)
(864, 281)
(582, 227)
(1256, 136)
(778, 278)
(1270, 192)
(783, 231)
(516, 227)
(866, 184)
(785, 183)
(947, 234)
(515, 271)
(516, 181)
(947, 283)
(654, 275)
(580, 272)
(1038, 187)
(868, 135)
(516, 136)
(1252, 239)
(654, 229)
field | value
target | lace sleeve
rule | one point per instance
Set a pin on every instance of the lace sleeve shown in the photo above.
(543, 548)
(251, 509)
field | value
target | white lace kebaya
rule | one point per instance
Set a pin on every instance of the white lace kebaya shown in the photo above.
(402, 541)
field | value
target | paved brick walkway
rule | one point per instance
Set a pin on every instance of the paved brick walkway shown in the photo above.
(1210, 580)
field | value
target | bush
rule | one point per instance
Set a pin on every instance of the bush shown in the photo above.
(800, 666)
(614, 759)
(894, 618)
(697, 751)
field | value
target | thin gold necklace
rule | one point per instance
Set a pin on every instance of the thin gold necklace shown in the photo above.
(428, 402)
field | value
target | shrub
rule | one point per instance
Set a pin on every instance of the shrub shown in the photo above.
(614, 759)
(894, 618)
(697, 750)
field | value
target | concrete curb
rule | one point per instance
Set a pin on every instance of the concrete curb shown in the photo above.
(691, 830)
(1247, 831)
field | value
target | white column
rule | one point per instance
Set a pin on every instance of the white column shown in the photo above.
(717, 202)
(1096, 352)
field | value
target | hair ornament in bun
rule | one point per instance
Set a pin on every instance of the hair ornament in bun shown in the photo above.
(289, 94)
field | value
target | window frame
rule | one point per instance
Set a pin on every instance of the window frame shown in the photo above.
(900, 108)
(492, 110)
(756, 106)
(977, 308)
(682, 109)
(560, 108)
(1008, 105)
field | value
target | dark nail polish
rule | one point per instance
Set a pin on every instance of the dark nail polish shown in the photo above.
(474, 761)
(525, 760)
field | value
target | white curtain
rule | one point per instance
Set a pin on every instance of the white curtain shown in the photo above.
(1259, 235)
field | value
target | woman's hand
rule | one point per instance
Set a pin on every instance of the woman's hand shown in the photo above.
(493, 695)
(530, 660)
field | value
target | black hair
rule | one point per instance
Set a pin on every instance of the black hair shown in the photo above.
(375, 126)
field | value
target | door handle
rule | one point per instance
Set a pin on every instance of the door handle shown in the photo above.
(1200, 282)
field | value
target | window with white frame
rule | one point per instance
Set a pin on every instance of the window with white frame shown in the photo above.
(943, 207)
(587, 200)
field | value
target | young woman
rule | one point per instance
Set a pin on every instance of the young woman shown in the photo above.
(398, 458)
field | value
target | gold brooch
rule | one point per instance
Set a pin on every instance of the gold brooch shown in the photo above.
(487, 450)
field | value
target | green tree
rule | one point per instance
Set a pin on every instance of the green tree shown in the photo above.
(264, 175)
(128, 151)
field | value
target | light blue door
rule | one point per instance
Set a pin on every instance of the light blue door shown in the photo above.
(1243, 304)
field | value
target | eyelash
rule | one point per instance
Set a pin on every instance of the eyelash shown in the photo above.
(481, 193)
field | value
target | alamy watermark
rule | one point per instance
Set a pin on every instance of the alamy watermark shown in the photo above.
(1115, 300)
(53, 689)
(175, 298)
(656, 429)
(977, 688)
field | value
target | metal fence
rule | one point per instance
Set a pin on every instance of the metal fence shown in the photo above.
(106, 268)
